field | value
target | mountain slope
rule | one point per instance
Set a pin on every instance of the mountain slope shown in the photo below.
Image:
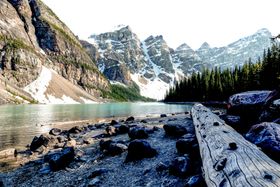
(154, 66)
(31, 36)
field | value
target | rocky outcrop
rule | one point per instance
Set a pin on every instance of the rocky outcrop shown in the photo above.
(32, 35)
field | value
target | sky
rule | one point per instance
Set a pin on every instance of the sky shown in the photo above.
(218, 22)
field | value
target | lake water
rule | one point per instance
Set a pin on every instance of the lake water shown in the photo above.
(20, 123)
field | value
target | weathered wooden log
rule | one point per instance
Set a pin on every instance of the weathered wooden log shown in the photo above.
(228, 159)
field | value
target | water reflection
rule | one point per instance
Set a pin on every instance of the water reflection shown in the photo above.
(20, 123)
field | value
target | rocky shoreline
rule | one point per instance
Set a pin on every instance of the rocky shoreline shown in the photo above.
(160, 151)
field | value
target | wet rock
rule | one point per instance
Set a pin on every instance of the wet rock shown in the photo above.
(138, 133)
(55, 131)
(267, 136)
(130, 119)
(196, 181)
(97, 172)
(123, 129)
(94, 182)
(112, 148)
(75, 130)
(104, 145)
(180, 167)
(139, 149)
(1, 184)
(116, 149)
(186, 145)
(163, 115)
(61, 160)
(43, 140)
(114, 122)
(175, 130)
(111, 130)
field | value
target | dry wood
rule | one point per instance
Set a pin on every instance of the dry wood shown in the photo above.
(228, 159)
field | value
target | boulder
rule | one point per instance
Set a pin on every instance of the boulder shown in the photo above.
(110, 130)
(163, 115)
(267, 137)
(76, 130)
(249, 105)
(180, 167)
(139, 149)
(55, 131)
(130, 119)
(122, 129)
(43, 140)
(186, 145)
(175, 130)
(114, 122)
(138, 133)
(61, 160)
(112, 148)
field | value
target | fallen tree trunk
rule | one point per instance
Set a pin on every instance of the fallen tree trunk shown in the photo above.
(228, 159)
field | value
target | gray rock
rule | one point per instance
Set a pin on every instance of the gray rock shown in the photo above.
(62, 159)
(110, 130)
(180, 167)
(55, 131)
(43, 140)
(267, 137)
(175, 130)
(138, 133)
(139, 149)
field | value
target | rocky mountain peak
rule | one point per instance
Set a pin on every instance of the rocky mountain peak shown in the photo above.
(183, 47)
(204, 46)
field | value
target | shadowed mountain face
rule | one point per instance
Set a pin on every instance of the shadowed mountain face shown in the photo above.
(31, 36)
(154, 66)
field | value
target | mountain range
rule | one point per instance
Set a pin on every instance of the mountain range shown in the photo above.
(154, 66)
(41, 60)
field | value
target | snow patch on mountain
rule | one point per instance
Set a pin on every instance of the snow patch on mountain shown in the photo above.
(38, 87)
(155, 89)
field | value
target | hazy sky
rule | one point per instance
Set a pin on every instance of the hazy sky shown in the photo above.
(219, 22)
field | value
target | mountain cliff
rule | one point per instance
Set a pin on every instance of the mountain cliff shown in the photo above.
(33, 40)
(154, 66)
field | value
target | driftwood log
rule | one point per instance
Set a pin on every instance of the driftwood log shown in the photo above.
(228, 159)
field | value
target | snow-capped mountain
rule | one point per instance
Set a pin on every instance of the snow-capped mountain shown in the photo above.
(154, 66)
(236, 53)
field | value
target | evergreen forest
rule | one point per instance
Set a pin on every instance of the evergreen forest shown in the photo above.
(218, 85)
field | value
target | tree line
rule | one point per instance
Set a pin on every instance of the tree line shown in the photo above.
(218, 85)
